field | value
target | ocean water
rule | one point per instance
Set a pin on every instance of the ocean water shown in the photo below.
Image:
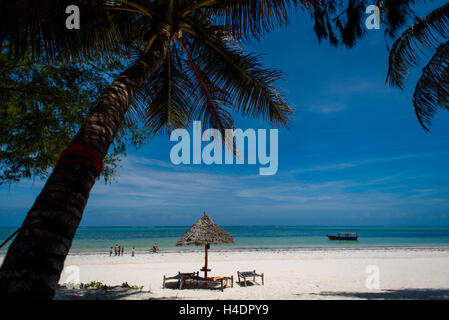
(100, 239)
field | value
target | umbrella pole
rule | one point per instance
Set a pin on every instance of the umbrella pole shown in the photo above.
(205, 262)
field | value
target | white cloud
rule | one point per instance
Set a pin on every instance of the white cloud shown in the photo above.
(327, 108)
(152, 182)
(149, 187)
(338, 94)
(352, 164)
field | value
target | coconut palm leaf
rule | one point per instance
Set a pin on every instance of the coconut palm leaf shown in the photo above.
(396, 13)
(422, 37)
(249, 18)
(343, 21)
(432, 90)
(40, 25)
(241, 76)
(165, 102)
(210, 100)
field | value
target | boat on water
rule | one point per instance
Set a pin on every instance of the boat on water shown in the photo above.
(344, 236)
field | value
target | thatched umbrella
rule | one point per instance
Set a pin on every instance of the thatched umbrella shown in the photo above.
(205, 232)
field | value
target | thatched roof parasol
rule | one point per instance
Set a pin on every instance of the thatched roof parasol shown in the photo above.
(205, 231)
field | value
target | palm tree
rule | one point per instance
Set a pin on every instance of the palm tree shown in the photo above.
(188, 66)
(427, 35)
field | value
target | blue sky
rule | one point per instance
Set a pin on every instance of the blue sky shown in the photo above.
(354, 155)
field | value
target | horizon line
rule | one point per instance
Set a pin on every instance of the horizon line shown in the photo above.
(256, 225)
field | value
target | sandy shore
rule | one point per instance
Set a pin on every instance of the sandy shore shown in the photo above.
(403, 273)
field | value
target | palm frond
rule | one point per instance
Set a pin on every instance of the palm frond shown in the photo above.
(40, 25)
(432, 90)
(210, 101)
(145, 8)
(165, 101)
(248, 85)
(396, 13)
(249, 18)
(338, 21)
(423, 36)
(343, 21)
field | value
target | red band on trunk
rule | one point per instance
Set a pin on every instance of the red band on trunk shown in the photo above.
(85, 154)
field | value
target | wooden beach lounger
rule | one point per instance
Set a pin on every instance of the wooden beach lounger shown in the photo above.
(248, 274)
(181, 277)
(184, 278)
(223, 281)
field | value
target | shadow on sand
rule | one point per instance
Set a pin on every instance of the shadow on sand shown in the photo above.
(399, 294)
(114, 293)
(247, 284)
(192, 285)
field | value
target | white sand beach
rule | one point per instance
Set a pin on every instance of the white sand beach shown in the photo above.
(404, 273)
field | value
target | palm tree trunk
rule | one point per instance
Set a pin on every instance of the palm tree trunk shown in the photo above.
(34, 261)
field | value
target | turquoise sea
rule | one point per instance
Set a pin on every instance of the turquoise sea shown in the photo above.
(100, 239)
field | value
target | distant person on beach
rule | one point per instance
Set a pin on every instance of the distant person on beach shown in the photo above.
(110, 252)
(132, 252)
(119, 250)
(123, 249)
(115, 249)
(155, 247)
